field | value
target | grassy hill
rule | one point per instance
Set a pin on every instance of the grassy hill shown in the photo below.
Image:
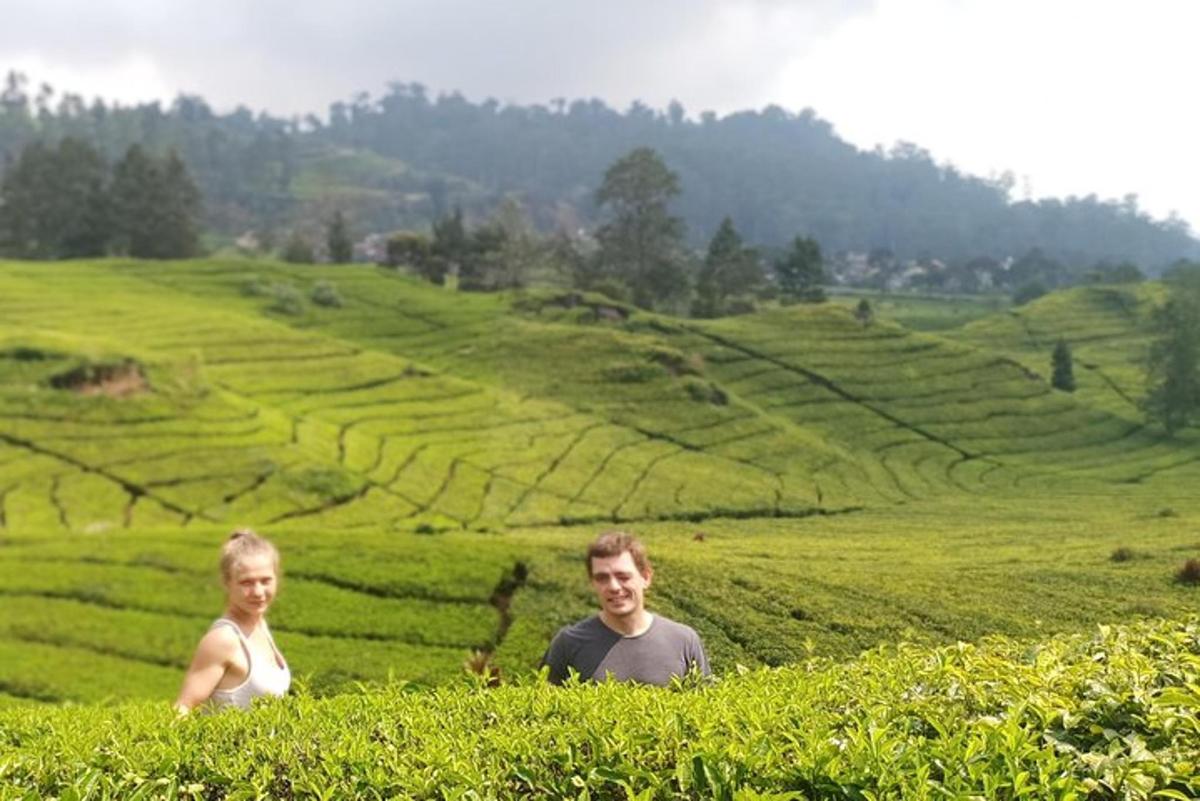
(431, 463)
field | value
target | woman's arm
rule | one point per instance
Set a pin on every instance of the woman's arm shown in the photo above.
(212, 658)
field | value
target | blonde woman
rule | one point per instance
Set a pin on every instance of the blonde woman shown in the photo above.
(237, 660)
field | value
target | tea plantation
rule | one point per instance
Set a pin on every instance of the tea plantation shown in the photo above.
(431, 463)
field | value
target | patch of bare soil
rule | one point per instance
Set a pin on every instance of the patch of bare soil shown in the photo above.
(116, 379)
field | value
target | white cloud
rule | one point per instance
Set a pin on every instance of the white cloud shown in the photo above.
(1081, 97)
(131, 78)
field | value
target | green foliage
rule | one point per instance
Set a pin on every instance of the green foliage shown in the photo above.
(632, 372)
(1173, 362)
(1123, 554)
(54, 203)
(1028, 292)
(337, 239)
(863, 312)
(787, 170)
(327, 483)
(298, 249)
(641, 245)
(408, 248)
(729, 270)
(1122, 273)
(705, 392)
(800, 273)
(156, 206)
(1189, 573)
(325, 293)
(1110, 714)
(450, 248)
(860, 485)
(286, 299)
(1062, 371)
(253, 286)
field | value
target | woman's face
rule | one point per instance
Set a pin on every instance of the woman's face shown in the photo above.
(251, 587)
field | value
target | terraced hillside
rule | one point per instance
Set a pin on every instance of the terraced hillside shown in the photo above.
(423, 454)
(1107, 328)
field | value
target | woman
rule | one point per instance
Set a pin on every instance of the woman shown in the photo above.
(237, 660)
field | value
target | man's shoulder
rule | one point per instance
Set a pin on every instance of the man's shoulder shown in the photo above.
(673, 628)
(581, 630)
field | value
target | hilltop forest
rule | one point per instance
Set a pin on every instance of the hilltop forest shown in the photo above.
(405, 159)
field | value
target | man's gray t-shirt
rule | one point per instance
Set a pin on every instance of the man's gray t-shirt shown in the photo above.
(663, 651)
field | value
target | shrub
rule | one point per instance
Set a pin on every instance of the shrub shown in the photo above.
(286, 299)
(704, 392)
(675, 361)
(632, 372)
(325, 294)
(328, 483)
(1189, 573)
(1028, 292)
(1116, 705)
(1123, 554)
(254, 287)
(298, 250)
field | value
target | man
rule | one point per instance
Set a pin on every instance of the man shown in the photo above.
(624, 642)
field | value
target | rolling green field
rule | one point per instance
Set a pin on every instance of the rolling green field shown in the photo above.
(431, 463)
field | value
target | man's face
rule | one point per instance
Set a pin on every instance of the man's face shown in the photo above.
(618, 584)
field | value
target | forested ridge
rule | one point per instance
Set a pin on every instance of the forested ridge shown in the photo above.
(405, 158)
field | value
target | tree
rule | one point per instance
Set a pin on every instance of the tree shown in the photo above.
(54, 203)
(134, 198)
(729, 269)
(155, 205)
(448, 249)
(337, 239)
(298, 250)
(179, 211)
(505, 251)
(408, 247)
(1028, 292)
(1062, 368)
(800, 272)
(641, 245)
(1173, 362)
(864, 313)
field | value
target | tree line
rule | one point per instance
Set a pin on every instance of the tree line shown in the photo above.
(64, 201)
(638, 253)
(774, 172)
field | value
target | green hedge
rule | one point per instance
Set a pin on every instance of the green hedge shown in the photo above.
(1110, 715)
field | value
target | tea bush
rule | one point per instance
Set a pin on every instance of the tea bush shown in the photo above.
(1107, 715)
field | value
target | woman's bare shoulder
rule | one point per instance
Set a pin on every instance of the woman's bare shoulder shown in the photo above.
(219, 642)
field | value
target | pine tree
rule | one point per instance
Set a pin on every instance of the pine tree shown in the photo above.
(54, 203)
(155, 206)
(179, 212)
(800, 272)
(135, 195)
(337, 239)
(729, 269)
(1063, 372)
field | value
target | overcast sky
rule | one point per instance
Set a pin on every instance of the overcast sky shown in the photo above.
(1073, 96)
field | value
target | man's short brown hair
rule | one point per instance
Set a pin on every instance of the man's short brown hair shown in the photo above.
(615, 543)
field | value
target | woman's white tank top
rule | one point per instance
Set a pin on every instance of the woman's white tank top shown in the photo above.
(261, 679)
